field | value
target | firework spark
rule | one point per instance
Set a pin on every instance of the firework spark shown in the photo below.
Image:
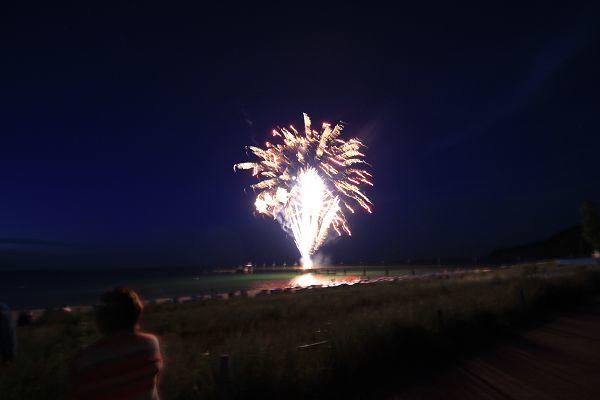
(308, 180)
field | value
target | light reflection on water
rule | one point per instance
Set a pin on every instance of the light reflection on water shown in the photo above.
(310, 279)
(305, 280)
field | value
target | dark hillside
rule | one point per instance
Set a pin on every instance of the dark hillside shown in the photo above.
(566, 243)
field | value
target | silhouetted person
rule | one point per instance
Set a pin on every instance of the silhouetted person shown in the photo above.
(8, 335)
(125, 363)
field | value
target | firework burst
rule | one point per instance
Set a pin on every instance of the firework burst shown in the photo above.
(308, 181)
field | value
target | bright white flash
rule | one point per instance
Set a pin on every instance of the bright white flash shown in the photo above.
(310, 211)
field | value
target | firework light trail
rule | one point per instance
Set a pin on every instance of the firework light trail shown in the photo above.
(308, 181)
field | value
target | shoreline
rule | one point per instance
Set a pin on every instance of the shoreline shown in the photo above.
(191, 298)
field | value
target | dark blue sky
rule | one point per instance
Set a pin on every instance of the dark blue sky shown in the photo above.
(119, 129)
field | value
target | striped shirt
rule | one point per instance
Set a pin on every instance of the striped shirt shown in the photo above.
(118, 367)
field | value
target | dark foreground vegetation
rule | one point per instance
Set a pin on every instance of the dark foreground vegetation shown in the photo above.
(355, 341)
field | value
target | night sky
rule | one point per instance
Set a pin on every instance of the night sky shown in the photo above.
(119, 129)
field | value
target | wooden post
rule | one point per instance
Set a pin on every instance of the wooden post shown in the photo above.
(522, 297)
(440, 317)
(224, 366)
(223, 377)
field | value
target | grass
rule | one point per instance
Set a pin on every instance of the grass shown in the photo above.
(374, 338)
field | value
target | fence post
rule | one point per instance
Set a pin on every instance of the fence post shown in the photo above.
(440, 317)
(223, 377)
(224, 366)
(522, 297)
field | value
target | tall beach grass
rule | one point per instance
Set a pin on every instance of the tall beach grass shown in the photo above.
(353, 341)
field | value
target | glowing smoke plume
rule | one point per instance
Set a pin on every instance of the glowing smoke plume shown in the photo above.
(307, 181)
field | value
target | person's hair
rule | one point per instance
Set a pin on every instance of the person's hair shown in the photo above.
(120, 310)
